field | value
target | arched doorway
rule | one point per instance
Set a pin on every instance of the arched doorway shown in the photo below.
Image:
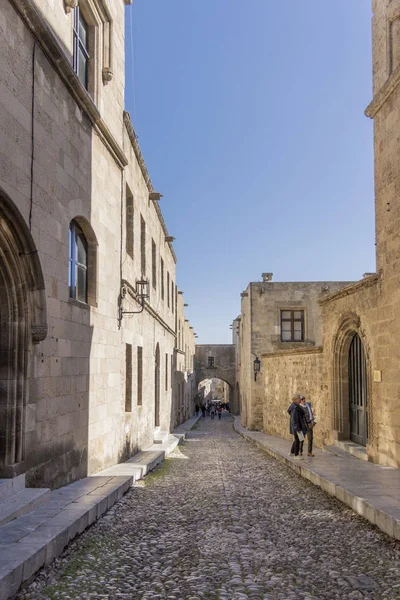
(22, 322)
(157, 387)
(358, 392)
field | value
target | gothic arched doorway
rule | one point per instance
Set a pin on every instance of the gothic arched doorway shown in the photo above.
(22, 322)
(358, 392)
(157, 387)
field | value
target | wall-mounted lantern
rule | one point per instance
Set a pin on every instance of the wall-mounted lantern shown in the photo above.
(257, 367)
(142, 293)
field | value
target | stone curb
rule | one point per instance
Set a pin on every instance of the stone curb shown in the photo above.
(386, 522)
(36, 539)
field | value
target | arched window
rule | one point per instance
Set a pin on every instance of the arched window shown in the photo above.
(78, 264)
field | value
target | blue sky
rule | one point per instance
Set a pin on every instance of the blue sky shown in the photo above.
(250, 116)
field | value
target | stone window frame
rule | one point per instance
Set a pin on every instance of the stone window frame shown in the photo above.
(128, 377)
(292, 310)
(129, 222)
(162, 278)
(80, 45)
(392, 17)
(100, 43)
(139, 369)
(153, 264)
(92, 262)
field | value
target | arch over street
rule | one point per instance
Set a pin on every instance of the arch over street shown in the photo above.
(215, 361)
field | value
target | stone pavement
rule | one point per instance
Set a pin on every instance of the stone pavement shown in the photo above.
(222, 520)
(370, 490)
(35, 539)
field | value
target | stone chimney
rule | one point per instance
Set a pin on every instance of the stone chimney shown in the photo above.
(266, 277)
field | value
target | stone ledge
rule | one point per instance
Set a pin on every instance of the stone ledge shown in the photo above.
(31, 541)
(368, 489)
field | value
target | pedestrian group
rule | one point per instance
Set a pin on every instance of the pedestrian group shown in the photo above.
(212, 409)
(302, 423)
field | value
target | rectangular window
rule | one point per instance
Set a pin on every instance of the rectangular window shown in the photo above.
(154, 263)
(128, 378)
(166, 372)
(292, 325)
(168, 303)
(162, 280)
(139, 375)
(81, 47)
(129, 222)
(143, 245)
(210, 361)
(172, 296)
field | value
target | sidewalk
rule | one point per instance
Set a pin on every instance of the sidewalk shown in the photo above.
(35, 539)
(370, 490)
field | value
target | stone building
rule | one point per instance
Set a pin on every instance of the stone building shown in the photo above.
(84, 382)
(361, 322)
(354, 374)
(276, 317)
(185, 389)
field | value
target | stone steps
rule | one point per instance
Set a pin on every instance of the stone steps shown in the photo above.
(11, 486)
(344, 449)
(160, 437)
(22, 503)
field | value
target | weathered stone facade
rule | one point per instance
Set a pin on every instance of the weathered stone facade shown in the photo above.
(290, 370)
(83, 384)
(215, 361)
(258, 334)
(185, 388)
(353, 380)
(371, 307)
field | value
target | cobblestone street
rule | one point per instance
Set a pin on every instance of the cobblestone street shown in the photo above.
(221, 519)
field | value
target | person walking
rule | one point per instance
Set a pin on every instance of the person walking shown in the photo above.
(212, 411)
(298, 425)
(203, 410)
(219, 411)
(310, 420)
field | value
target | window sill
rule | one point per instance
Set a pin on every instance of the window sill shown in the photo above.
(79, 303)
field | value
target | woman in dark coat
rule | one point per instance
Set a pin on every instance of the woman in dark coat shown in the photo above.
(298, 424)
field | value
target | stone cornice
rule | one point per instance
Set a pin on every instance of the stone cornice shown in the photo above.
(139, 157)
(294, 351)
(132, 293)
(384, 93)
(55, 54)
(351, 289)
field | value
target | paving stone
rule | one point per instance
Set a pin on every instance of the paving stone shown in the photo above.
(223, 520)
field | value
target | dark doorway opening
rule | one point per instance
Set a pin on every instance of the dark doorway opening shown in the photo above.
(358, 392)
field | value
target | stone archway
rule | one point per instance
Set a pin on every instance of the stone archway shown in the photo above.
(348, 331)
(23, 322)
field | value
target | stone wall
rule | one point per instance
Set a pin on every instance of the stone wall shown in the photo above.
(223, 366)
(260, 332)
(286, 373)
(362, 309)
(77, 393)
